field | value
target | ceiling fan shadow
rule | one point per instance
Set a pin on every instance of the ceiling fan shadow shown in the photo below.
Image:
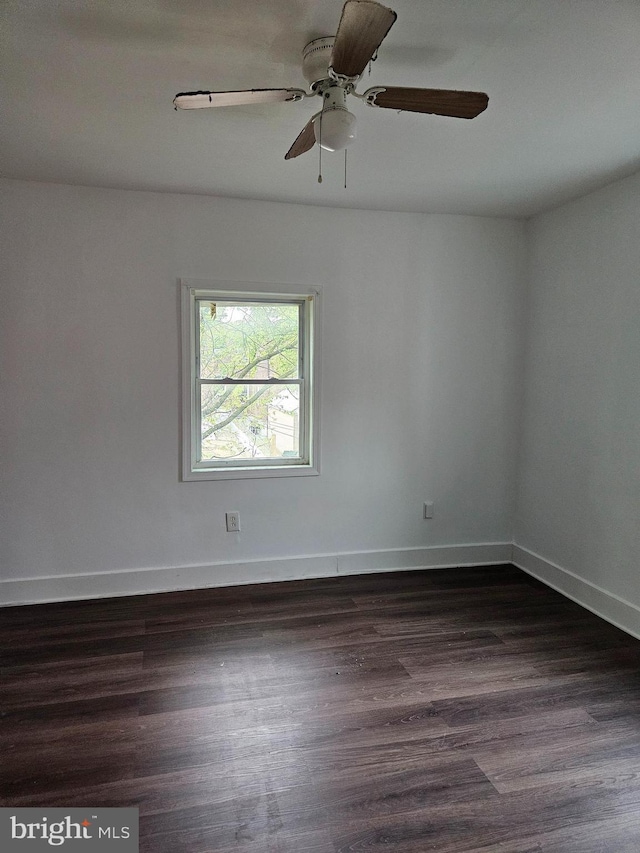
(104, 25)
(403, 56)
(276, 33)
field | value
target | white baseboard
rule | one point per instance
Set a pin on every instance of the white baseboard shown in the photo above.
(433, 557)
(40, 590)
(620, 612)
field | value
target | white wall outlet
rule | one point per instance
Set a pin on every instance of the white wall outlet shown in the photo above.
(233, 522)
(427, 509)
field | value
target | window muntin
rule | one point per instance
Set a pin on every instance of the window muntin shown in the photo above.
(251, 400)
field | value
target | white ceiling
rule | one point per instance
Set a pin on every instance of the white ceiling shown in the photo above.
(87, 87)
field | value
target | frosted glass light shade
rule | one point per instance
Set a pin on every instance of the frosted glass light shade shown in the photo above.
(335, 129)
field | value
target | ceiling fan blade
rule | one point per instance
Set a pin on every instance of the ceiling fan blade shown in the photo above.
(441, 102)
(305, 141)
(362, 27)
(202, 100)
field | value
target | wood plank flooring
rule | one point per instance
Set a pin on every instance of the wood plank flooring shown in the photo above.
(458, 711)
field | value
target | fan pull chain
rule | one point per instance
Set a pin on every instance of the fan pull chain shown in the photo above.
(320, 150)
(345, 168)
(320, 144)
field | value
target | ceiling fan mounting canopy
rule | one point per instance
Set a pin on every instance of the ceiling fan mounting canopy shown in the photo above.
(316, 59)
(333, 66)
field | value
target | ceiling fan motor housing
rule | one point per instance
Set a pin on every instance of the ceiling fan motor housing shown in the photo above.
(335, 98)
(316, 58)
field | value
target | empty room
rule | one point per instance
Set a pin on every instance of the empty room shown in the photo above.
(320, 426)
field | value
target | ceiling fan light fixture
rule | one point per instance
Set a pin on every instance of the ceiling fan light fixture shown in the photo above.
(335, 129)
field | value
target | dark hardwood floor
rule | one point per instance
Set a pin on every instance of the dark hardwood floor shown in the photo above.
(458, 711)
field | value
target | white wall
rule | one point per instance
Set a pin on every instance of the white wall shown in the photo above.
(579, 481)
(420, 385)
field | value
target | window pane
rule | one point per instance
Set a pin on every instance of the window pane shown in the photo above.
(250, 421)
(248, 340)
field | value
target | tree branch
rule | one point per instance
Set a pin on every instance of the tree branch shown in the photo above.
(235, 413)
(241, 408)
(243, 373)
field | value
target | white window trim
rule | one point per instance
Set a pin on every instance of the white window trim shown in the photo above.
(190, 289)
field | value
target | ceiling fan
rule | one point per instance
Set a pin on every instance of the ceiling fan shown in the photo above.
(333, 66)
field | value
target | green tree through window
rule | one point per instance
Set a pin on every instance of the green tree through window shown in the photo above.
(251, 342)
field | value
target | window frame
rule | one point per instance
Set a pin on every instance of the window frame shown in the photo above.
(193, 469)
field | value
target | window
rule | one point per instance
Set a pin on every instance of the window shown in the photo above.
(250, 386)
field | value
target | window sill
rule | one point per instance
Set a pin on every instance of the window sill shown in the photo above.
(249, 473)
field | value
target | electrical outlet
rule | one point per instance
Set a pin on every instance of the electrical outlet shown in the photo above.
(427, 509)
(233, 522)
